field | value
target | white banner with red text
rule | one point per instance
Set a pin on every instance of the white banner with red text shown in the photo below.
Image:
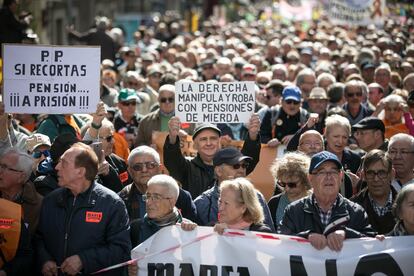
(172, 251)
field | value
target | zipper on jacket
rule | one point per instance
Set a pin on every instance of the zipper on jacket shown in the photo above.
(67, 227)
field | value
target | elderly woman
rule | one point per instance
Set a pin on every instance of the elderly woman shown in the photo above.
(239, 207)
(404, 212)
(291, 172)
(337, 132)
(393, 114)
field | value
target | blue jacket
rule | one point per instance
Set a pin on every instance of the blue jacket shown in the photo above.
(207, 208)
(93, 225)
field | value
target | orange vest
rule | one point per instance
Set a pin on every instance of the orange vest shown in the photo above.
(10, 226)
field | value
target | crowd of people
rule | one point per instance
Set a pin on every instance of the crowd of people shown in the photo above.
(84, 189)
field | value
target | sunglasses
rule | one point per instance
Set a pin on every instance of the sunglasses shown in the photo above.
(289, 184)
(140, 166)
(291, 102)
(350, 95)
(243, 165)
(107, 138)
(38, 154)
(131, 83)
(129, 103)
(167, 100)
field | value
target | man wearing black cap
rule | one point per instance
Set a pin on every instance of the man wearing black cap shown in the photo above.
(229, 163)
(369, 133)
(197, 175)
(326, 218)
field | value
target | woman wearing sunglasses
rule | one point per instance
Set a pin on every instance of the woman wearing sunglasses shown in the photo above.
(239, 207)
(291, 172)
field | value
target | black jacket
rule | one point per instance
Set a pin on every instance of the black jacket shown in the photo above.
(195, 176)
(383, 224)
(302, 218)
(118, 176)
(94, 225)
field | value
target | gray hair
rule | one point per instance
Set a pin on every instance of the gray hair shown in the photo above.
(393, 99)
(144, 150)
(355, 83)
(300, 78)
(24, 161)
(326, 76)
(402, 137)
(337, 120)
(167, 87)
(166, 181)
(401, 196)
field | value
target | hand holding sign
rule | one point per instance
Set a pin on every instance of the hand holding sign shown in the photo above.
(254, 126)
(173, 129)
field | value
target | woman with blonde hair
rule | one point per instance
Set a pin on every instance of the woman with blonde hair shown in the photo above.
(239, 207)
(291, 174)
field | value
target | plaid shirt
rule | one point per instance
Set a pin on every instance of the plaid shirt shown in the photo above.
(325, 216)
(381, 210)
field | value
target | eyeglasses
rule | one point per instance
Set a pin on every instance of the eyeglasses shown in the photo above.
(107, 138)
(140, 166)
(326, 173)
(404, 153)
(128, 103)
(167, 100)
(38, 154)
(132, 83)
(291, 102)
(242, 165)
(351, 95)
(153, 197)
(291, 185)
(4, 167)
(370, 174)
(311, 144)
(207, 67)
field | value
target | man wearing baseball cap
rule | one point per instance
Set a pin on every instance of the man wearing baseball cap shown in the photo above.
(369, 133)
(229, 163)
(280, 122)
(326, 218)
(197, 175)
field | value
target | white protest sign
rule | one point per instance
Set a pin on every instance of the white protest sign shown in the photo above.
(214, 102)
(51, 79)
(356, 12)
(172, 251)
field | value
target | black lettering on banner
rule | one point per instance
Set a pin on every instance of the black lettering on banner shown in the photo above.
(186, 270)
(225, 270)
(378, 263)
(160, 269)
(204, 269)
(243, 271)
(330, 266)
(296, 266)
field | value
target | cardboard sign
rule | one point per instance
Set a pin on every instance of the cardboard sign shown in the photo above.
(51, 79)
(214, 102)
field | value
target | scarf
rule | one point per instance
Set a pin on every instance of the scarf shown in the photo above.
(399, 229)
(169, 219)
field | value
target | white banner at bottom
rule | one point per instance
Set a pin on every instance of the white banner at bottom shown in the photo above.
(172, 251)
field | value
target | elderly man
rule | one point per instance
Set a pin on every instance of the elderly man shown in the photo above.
(318, 103)
(83, 226)
(197, 175)
(375, 93)
(143, 163)
(229, 163)
(354, 108)
(401, 152)
(377, 198)
(326, 218)
(281, 122)
(369, 133)
(15, 170)
(158, 119)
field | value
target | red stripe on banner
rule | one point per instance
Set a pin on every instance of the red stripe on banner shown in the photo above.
(270, 237)
(234, 234)
(299, 239)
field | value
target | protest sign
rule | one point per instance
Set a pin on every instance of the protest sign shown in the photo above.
(214, 102)
(172, 251)
(356, 12)
(51, 79)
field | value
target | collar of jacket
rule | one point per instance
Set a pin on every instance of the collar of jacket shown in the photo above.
(339, 209)
(199, 162)
(29, 194)
(86, 199)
